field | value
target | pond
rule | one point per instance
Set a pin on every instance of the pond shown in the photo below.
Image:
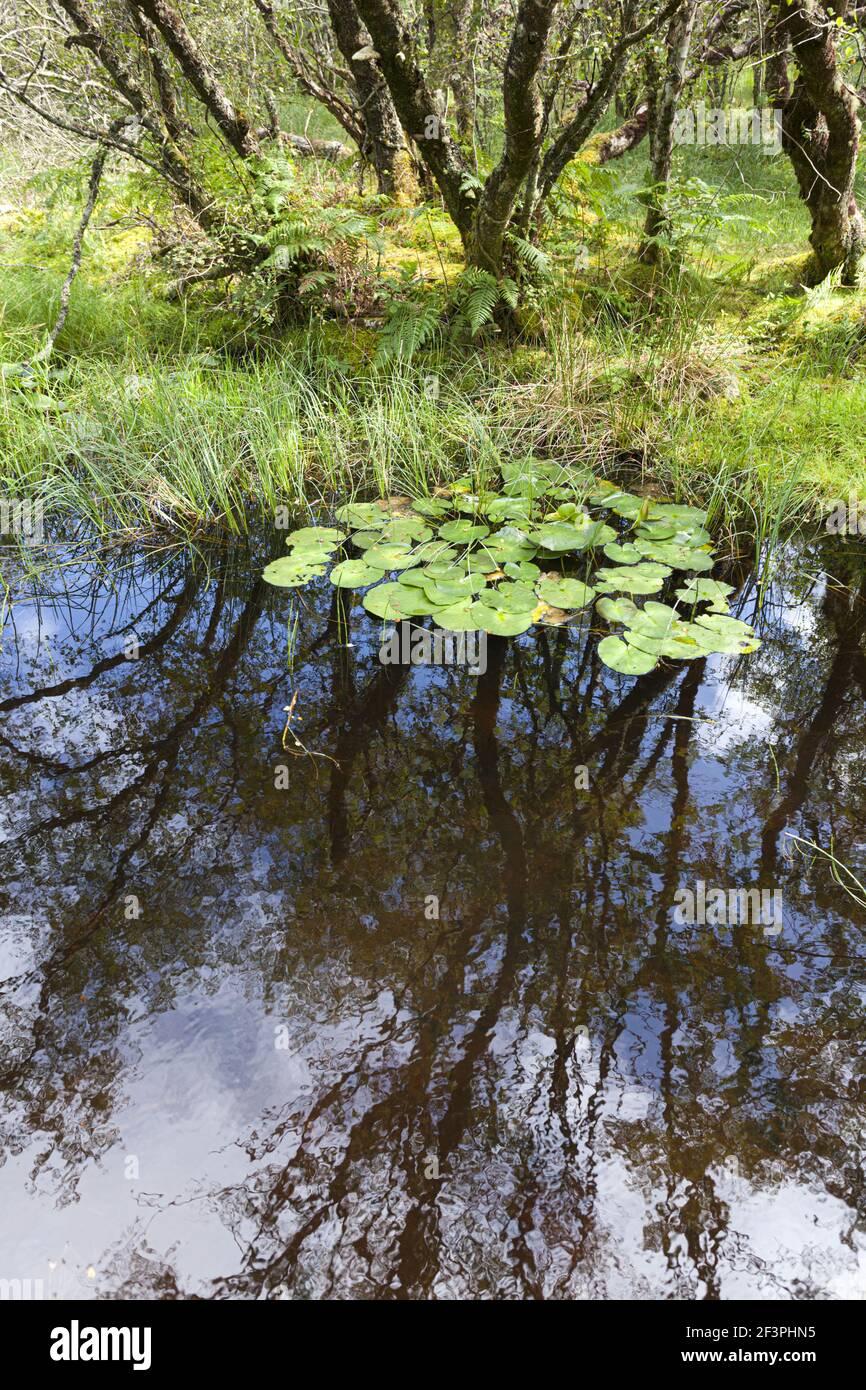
(323, 977)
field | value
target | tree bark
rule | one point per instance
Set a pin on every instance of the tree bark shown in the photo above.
(821, 136)
(200, 75)
(385, 145)
(662, 113)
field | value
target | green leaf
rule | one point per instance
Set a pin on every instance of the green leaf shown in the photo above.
(325, 536)
(354, 574)
(391, 557)
(458, 617)
(290, 572)
(623, 554)
(385, 601)
(617, 610)
(564, 593)
(630, 661)
(513, 598)
(524, 570)
(498, 622)
(463, 531)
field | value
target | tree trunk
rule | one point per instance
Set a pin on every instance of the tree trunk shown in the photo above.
(386, 146)
(821, 136)
(662, 114)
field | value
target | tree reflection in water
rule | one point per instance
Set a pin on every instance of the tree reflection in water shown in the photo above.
(552, 1089)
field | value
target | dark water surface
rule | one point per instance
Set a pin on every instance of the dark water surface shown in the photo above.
(242, 1055)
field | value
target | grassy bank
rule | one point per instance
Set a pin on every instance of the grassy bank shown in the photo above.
(725, 385)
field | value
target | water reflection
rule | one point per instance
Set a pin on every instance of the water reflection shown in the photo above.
(414, 1017)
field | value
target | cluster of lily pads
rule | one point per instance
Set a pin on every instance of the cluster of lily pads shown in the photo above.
(530, 553)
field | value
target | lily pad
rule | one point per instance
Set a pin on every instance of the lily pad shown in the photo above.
(354, 574)
(315, 535)
(617, 610)
(710, 591)
(523, 570)
(514, 598)
(458, 617)
(623, 554)
(498, 622)
(564, 593)
(463, 531)
(289, 572)
(391, 557)
(630, 661)
(630, 580)
(386, 600)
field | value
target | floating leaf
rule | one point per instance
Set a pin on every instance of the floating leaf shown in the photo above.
(619, 656)
(463, 531)
(385, 601)
(710, 591)
(457, 618)
(630, 580)
(617, 610)
(498, 622)
(564, 593)
(678, 557)
(403, 529)
(391, 557)
(354, 574)
(623, 554)
(514, 598)
(523, 570)
(290, 572)
(315, 535)
(447, 591)
(433, 507)
(363, 515)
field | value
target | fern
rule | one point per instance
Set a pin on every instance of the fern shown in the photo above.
(531, 256)
(477, 294)
(410, 325)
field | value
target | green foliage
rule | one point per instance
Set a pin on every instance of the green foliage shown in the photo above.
(470, 590)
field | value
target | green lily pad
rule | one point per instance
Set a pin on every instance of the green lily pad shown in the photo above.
(354, 574)
(513, 598)
(290, 572)
(386, 600)
(362, 515)
(315, 535)
(364, 539)
(401, 530)
(523, 570)
(729, 635)
(391, 557)
(448, 591)
(432, 507)
(458, 617)
(463, 531)
(498, 622)
(623, 554)
(435, 551)
(630, 661)
(564, 593)
(617, 610)
(629, 580)
(710, 591)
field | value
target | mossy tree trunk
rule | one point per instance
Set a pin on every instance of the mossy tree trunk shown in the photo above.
(821, 135)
